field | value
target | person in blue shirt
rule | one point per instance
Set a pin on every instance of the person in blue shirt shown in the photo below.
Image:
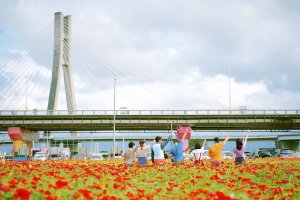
(177, 150)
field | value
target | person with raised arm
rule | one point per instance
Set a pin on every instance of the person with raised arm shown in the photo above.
(129, 154)
(157, 153)
(215, 151)
(142, 151)
(177, 150)
(239, 150)
(197, 154)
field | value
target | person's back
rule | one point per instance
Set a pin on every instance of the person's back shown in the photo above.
(129, 154)
(177, 152)
(215, 151)
(158, 139)
(197, 153)
(158, 153)
(239, 150)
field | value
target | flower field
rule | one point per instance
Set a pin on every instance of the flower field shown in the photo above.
(85, 179)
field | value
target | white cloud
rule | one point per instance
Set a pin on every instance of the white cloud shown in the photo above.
(165, 54)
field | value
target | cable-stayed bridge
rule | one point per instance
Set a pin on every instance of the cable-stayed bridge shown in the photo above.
(31, 80)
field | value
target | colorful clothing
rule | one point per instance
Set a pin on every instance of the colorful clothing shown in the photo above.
(197, 155)
(177, 152)
(239, 155)
(239, 160)
(141, 154)
(158, 152)
(215, 151)
(162, 145)
(142, 161)
(129, 156)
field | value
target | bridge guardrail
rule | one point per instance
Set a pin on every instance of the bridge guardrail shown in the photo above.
(149, 112)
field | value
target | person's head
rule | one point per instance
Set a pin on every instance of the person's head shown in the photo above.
(216, 139)
(142, 143)
(198, 146)
(239, 144)
(176, 141)
(158, 139)
(131, 144)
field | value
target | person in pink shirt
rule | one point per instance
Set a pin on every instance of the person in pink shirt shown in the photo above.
(239, 150)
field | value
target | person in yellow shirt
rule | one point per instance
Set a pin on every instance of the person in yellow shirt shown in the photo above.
(215, 151)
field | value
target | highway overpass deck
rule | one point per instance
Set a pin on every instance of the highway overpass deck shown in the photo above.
(84, 120)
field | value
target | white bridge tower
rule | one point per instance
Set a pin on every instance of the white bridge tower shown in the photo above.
(62, 59)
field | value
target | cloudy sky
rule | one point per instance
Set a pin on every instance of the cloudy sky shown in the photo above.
(168, 54)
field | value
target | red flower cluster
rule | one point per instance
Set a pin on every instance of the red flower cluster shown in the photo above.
(258, 179)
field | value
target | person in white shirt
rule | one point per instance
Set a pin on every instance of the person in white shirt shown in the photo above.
(157, 153)
(142, 151)
(197, 154)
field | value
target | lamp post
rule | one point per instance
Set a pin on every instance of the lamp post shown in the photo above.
(26, 93)
(114, 131)
(229, 88)
(123, 143)
(171, 130)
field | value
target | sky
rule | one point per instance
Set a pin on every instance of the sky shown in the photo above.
(168, 54)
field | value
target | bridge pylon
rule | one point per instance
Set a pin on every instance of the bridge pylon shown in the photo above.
(62, 60)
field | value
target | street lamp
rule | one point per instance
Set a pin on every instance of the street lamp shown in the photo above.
(171, 129)
(26, 92)
(114, 131)
(123, 143)
(229, 89)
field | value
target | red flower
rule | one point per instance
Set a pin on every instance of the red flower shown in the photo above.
(193, 181)
(282, 182)
(22, 193)
(85, 193)
(158, 190)
(222, 196)
(214, 177)
(116, 186)
(207, 184)
(61, 184)
(262, 187)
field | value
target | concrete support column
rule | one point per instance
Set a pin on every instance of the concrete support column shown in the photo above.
(29, 146)
(21, 136)
(16, 135)
(17, 144)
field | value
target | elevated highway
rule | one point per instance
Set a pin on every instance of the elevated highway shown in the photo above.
(89, 120)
